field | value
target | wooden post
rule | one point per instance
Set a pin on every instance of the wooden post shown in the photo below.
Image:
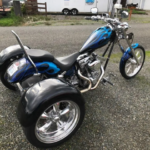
(46, 8)
(17, 8)
(1, 3)
(130, 13)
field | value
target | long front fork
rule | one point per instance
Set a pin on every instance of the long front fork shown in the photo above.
(132, 51)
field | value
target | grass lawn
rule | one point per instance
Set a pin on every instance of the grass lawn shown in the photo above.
(10, 20)
(136, 11)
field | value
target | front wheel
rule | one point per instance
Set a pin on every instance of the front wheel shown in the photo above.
(129, 67)
(56, 122)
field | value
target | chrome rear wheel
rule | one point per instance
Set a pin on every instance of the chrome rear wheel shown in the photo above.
(57, 121)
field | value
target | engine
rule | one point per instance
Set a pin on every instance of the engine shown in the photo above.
(89, 67)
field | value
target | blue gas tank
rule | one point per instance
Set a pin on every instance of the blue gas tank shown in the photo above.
(97, 39)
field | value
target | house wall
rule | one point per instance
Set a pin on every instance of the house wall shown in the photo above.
(146, 4)
(142, 4)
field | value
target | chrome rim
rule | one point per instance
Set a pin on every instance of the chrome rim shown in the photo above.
(57, 121)
(131, 67)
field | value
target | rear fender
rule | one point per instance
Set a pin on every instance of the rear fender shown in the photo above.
(22, 68)
(39, 95)
(127, 54)
(10, 52)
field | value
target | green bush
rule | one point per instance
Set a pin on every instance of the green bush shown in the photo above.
(11, 19)
(23, 9)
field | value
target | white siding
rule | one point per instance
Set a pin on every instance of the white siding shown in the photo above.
(102, 5)
(82, 6)
(146, 4)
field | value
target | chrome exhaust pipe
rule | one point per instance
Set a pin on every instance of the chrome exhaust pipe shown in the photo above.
(87, 79)
(21, 90)
(90, 84)
(102, 70)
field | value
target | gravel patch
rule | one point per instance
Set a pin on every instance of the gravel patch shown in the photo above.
(117, 117)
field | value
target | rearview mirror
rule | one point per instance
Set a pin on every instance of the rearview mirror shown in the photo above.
(94, 10)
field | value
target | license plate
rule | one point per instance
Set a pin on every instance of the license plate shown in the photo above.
(12, 69)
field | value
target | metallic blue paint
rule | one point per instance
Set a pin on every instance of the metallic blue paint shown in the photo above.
(27, 70)
(98, 38)
(126, 54)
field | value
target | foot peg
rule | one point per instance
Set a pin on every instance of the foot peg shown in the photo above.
(106, 79)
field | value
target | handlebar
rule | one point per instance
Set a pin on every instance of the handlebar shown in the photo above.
(115, 23)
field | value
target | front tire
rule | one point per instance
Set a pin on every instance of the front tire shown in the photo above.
(128, 68)
(56, 122)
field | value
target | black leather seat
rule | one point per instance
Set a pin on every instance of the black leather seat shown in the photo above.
(40, 55)
(65, 63)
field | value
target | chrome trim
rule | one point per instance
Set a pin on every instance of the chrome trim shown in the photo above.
(102, 70)
(21, 45)
(87, 79)
(90, 84)
(20, 88)
(82, 56)
(57, 121)
(132, 51)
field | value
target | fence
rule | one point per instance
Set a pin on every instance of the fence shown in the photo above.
(32, 7)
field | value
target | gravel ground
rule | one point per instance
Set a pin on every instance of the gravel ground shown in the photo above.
(116, 117)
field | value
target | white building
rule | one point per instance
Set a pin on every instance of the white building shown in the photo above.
(142, 4)
(84, 6)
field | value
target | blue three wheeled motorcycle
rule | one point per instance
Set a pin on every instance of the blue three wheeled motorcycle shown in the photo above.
(51, 108)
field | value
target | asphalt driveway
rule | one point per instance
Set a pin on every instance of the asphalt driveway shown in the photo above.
(117, 118)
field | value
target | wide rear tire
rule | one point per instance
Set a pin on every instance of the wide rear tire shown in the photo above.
(55, 122)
